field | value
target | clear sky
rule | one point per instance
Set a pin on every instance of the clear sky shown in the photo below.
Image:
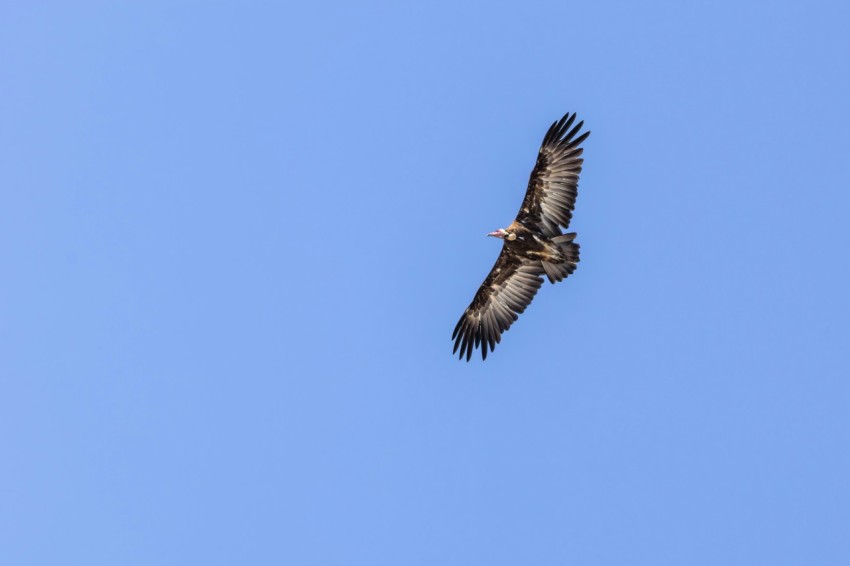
(235, 238)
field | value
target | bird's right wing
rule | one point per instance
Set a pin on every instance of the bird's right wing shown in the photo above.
(507, 291)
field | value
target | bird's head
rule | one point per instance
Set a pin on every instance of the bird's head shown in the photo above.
(503, 234)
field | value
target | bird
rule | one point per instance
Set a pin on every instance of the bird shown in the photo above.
(533, 244)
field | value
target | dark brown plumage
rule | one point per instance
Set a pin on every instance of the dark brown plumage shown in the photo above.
(533, 244)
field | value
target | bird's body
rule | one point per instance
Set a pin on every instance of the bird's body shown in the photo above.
(533, 244)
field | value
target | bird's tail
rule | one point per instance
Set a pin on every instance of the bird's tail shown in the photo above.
(559, 271)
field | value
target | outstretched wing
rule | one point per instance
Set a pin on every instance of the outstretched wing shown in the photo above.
(505, 293)
(553, 186)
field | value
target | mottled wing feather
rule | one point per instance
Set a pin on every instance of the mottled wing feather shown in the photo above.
(552, 189)
(507, 291)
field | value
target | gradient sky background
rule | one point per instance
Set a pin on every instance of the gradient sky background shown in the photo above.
(235, 238)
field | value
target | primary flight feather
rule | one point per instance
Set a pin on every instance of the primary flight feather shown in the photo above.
(533, 244)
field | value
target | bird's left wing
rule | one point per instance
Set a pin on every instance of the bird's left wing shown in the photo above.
(552, 189)
(507, 291)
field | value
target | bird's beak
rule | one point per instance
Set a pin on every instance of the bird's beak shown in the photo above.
(496, 234)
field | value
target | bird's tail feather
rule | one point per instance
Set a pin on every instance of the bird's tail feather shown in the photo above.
(559, 271)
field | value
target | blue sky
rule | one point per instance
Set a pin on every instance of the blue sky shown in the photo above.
(236, 237)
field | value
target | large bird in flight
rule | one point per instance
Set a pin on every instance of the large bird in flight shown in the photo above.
(533, 243)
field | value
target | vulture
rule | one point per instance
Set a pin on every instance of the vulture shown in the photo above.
(533, 245)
